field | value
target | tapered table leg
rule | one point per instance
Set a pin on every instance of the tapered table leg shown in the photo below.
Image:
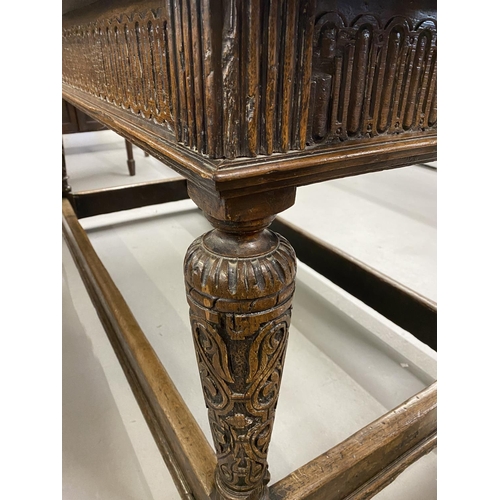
(240, 279)
(130, 157)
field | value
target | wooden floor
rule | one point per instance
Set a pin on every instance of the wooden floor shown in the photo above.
(107, 450)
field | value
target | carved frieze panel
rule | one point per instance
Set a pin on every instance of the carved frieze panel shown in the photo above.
(370, 79)
(150, 63)
(310, 79)
(236, 79)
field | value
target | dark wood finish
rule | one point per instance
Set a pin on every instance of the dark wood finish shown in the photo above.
(115, 199)
(74, 120)
(130, 158)
(341, 87)
(406, 308)
(183, 446)
(242, 176)
(240, 282)
(371, 458)
(240, 279)
(277, 76)
(66, 188)
(247, 101)
(87, 123)
(357, 468)
(69, 118)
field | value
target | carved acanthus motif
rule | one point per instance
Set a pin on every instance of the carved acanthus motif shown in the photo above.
(240, 315)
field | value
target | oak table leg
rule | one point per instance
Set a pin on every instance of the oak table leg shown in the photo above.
(130, 157)
(240, 279)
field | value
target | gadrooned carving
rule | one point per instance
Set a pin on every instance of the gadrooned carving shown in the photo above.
(240, 315)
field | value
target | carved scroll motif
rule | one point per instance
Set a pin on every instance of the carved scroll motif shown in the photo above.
(240, 334)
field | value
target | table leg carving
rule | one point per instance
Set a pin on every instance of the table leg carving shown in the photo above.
(240, 279)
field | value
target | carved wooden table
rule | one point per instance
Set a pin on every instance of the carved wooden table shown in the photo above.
(248, 101)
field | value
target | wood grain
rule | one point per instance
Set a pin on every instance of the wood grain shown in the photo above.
(248, 100)
(252, 175)
(373, 456)
(240, 281)
(244, 79)
(115, 199)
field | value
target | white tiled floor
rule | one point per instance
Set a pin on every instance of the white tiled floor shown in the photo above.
(385, 219)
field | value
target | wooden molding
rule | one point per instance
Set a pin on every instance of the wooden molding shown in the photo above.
(373, 456)
(250, 175)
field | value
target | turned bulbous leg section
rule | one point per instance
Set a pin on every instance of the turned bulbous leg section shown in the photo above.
(240, 281)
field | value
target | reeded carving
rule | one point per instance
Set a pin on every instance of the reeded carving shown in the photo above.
(371, 79)
(152, 64)
(239, 79)
(240, 314)
(313, 79)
